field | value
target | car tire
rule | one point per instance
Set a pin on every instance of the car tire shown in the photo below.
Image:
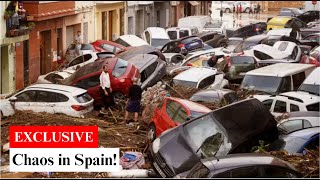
(151, 136)
(227, 10)
(119, 98)
(223, 44)
(247, 10)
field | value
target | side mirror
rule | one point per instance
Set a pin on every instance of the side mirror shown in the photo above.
(13, 99)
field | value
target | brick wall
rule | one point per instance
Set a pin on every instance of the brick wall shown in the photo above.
(277, 5)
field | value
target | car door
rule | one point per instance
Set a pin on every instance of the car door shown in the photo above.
(43, 102)
(24, 99)
(280, 107)
(166, 117)
(59, 103)
(269, 104)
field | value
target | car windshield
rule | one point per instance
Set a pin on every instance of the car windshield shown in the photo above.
(311, 88)
(159, 42)
(87, 47)
(242, 60)
(120, 68)
(206, 136)
(83, 98)
(268, 84)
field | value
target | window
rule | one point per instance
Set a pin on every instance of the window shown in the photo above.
(206, 82)
(83, 98)
(298, 79)
(88, 82)
(172, 35)
(294, 53)
(294, 108)
(181, 115)
(147, 34)
(194, 31)
(243, 172)
(52, 77)
(313, 107)
(292, 125)
(26, 96)
(80, 59)
(306, 124)
(87, 47)
(312, 38)
(285, 85)
(120, 68)
(268, 103)
(260, 55)
(122, 42)
(46, 96)
(151, 69)
(171, 108)
(108, 47)
(183, 33)
(280, 107)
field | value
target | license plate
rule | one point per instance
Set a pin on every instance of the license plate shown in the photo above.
(158, 169)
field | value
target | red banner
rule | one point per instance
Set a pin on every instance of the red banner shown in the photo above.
(54, 136)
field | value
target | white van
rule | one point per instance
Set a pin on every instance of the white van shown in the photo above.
(156, 37)
(312, 83)
(277, 78)
(197, 21)
(180, 32)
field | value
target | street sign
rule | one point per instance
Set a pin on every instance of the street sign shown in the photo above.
(314, 2)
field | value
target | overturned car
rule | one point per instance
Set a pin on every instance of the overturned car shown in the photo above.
(235, 128)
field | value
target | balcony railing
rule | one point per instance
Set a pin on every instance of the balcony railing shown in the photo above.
(17, 25)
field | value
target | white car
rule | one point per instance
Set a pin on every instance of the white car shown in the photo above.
(282, 50)
(52, 77)
(155, 36)
(84, 49)
(130, 40)
(299, 120)
(312, 83)
(216, 26)
(180, 32)
(201, 77)
(49, 98)
(194, 21)
(290, 102)
(86, 59)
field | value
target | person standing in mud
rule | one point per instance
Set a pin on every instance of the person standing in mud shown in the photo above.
(105, 87)
(133, 103)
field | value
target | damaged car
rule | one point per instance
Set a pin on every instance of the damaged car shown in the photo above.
(232, 129)
(144, 49)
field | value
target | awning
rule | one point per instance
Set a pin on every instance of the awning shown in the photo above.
(194, 3)
(174, 3)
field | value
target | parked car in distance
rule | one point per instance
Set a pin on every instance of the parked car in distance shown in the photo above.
(49, 98)
(280, 22)
(290, 102)
(276, 78)
(109, 46)
(247, 44)
(236, 66)
(155, 36)
(121, 73)
(293, 12)
(309, 16)
(244, 165)
(297, 141)
(201, 78)
(248, 30)
(181, 32)
(299, 120)
(313, 57)
(214, 134)
(216, 26)
(130, 40)
(225, 96)
(145, 49)
(312, 83)
(194, 21)
(227, 6)
(52, 77)
(84, 49)
(213, 39)
(244, 4)
(172, 112)
(152, 69)
(86, 59)
(183, 45)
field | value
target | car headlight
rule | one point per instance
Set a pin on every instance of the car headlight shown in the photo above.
(156, 145)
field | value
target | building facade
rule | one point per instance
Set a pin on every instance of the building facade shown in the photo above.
(56, 24)
(14, 40)
(109, 19)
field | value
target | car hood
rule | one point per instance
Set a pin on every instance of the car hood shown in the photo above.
(244, 123)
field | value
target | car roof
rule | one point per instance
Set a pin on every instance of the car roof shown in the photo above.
(270, 50)
(195, 74)
(280, 20)
(158, 33)
(142, 60)
(133, 40)
(191, 105)
(280, 69)
(289, 48)
(313, 77)
(305, 133)
(303, 114)
(74, 91)
(306, 97)
(243, 159)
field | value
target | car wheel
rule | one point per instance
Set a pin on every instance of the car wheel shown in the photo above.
(223, 44)
(247, 10)
(227, 10)
(119, 98)
(151, 133)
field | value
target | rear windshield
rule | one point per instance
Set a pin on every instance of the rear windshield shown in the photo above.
(311, 88)
(242, 60)
(83, 98)
(120, 68)
(87, 47)
(268, 84)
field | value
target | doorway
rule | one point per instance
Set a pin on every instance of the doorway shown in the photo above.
(4, 88)
(26, 62)
(45, 52)
(110, 23)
